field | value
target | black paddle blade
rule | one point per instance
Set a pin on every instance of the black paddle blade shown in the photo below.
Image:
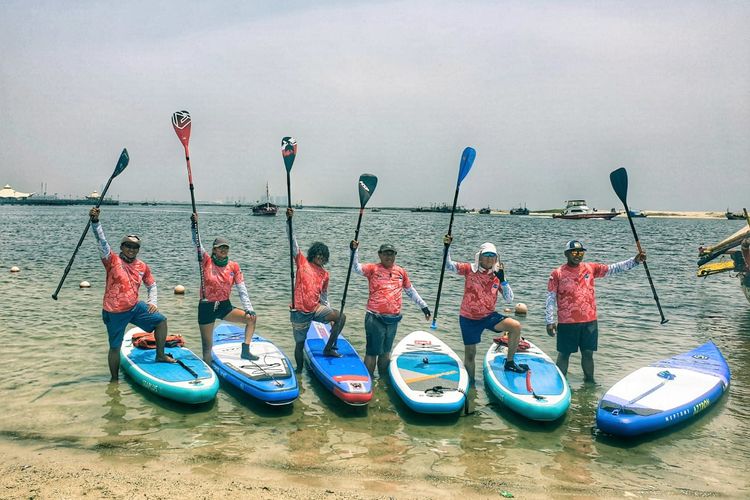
(121, 163)
(289, 151)
(619, 180)
(367, 184)
(467, 160)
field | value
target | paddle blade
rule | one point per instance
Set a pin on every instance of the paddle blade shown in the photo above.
(367, 184)
(619, 180)
(181, 122)
(121, 163)
(467, 160)
(289, 151)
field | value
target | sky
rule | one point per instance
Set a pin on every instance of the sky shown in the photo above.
(553, 95)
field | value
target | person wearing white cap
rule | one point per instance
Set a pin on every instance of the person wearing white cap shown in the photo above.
(483, 280)
(570, 290)
(219, 275)
(121, 306)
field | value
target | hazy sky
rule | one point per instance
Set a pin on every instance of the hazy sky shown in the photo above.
(552, 95)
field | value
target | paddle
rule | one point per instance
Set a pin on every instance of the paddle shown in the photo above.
(182, 122)
(289, 153)
(619, 180)
(121, 164)
(666, 375)
(366, 185)
(186, 367)
(467, 160)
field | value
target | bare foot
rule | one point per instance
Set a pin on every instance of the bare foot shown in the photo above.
(332, 353)
(167, 358)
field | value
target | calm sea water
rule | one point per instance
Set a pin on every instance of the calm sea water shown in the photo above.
(54, 378)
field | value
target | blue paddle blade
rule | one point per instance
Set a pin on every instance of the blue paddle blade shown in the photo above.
(289, 151)
(467, 160)
(367, 184)
(434, 324)
(121, 163)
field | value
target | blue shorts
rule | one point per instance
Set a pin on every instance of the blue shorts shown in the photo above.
(380, 331)
(571, 336)
(138, 315)
(471, 329)
(301, 320)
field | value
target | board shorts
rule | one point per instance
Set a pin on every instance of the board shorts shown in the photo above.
(471, 329)
(572, 336)
(138, 315)
(301, 320)
(380, 331)
(208, 312)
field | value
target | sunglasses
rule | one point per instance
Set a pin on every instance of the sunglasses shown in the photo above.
(489, 254)
(131, 246)
(578, 252)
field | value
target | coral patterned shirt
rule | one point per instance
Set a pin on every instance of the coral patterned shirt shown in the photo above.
(574, 285)
(310, 283)
(218, 280)
(480, 291)
(386, 286)
(123, 282)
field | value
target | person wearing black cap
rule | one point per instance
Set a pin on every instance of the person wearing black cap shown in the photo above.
(387, 282)
(219, 275)
(121, 306)
(570, 290)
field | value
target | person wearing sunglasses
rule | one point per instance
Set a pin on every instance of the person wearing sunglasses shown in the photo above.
(219, 276)
(484, 279)
(311, 298)
(387, 282)
(570, 290)
(121, 306)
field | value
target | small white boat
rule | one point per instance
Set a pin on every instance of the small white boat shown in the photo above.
(578, 209)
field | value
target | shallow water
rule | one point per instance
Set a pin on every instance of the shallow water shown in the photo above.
(54, 378)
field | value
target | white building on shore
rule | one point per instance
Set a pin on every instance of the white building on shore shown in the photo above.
(9, 192)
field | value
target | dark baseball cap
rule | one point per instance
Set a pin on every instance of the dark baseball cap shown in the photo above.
(574, 245)
(387, 247)
(220, 242)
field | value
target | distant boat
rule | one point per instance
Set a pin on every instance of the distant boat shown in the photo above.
(578, 209)
(735, 215)
(636, 213)
(442, 208)
(266, 209)
(375, 210)
(485, 211)
(520, 210)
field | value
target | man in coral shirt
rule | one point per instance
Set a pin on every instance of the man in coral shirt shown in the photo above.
(570, 289)
(387, 281)
(121, 306)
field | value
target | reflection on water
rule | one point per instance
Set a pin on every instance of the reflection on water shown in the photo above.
(54, 379)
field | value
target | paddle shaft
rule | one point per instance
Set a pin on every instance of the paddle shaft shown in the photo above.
(197, 233)
(289, 223)
(186, 367)
(445, 258)
(351, 260)
(645, 265)
(80, 241)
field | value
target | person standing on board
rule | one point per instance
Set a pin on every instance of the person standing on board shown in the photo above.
(387, 281)
(311, 298)
(219, 275)
(121, 306)
(483, 280)
(570, 290)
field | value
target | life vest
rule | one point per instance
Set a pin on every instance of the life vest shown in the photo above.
(523, 345)
(144, 340)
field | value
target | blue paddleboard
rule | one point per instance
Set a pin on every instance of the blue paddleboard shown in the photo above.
(346, 377)
(270, 379)
(542, 393)
(170, 380)
(665, 393)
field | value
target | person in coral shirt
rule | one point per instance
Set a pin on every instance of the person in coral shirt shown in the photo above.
(387, 282)
(121, 306)
(219, 276)
(570, 290)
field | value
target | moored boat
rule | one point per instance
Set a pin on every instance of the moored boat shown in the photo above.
(267, 208)
(734, 215)
(578, 209)
(521, 210)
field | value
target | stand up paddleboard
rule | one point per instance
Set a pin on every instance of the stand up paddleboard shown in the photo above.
(428, 375)
(664, 393)
(542, 393)
(346, 377)
(270, 379)
(190, 380)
